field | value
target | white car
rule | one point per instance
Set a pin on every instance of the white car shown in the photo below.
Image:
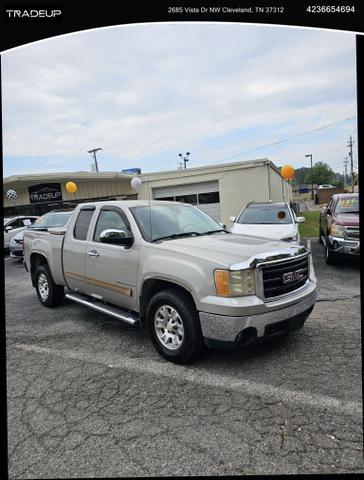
(274, 220)
(14, 225)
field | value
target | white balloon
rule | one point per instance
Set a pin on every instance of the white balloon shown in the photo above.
(136, 183)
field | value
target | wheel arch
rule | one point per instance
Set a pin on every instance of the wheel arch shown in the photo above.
(153, 285)
(36, 259)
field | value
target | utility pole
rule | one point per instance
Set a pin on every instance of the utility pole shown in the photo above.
(345, 170)
(93, 154)
(310, 155)
(350, 145)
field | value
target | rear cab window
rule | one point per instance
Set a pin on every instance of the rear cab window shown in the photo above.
(83, 223)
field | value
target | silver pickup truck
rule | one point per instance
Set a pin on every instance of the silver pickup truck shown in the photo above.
(171, 269)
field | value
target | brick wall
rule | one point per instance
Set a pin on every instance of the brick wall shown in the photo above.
(324, 195)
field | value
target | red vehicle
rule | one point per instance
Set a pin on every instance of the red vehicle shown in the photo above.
(339, 227)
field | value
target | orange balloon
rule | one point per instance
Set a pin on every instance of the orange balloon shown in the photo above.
(287, 172)
(71, 187)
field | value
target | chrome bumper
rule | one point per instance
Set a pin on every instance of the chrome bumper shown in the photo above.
(226, 328)
(341, 245)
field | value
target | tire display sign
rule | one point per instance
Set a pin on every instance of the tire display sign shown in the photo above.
(45, 192)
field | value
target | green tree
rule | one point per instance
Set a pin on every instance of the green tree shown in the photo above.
(299, 175)
(321, 173)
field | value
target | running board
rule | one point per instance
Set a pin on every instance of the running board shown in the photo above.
(118, 313)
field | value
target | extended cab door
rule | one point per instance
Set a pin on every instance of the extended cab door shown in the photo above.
(111, 270)
(74, 249)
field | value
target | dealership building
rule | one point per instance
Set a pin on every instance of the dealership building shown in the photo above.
(219, 190)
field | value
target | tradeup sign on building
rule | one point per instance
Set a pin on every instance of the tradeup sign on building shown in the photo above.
(45, 192)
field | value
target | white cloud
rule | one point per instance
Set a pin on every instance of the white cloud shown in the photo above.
(142, 90)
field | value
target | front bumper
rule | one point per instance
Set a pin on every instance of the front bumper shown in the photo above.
(228, 329)
(344, 246)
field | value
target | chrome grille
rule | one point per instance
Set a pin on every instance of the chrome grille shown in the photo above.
(352, 233)
(280, 278)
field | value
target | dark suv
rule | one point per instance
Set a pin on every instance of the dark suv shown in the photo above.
(339, 226)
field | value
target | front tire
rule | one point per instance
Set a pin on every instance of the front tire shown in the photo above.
(329, 255)
(49, 294)
(174, 326)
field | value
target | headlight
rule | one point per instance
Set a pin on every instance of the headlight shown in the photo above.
(292, 238)
(234, 283)
(337, 231)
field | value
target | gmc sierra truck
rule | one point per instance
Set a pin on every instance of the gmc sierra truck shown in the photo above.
(173, 271)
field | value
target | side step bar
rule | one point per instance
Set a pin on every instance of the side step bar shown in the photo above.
(118, 313)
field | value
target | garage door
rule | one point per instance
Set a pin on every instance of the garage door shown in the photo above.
(204, 195)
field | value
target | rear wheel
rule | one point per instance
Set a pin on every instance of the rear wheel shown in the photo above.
(49, 294)
(174, 326)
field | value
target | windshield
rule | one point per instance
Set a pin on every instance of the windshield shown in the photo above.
(347, 205)
(51, 220)
(159, 221)
(270, 214)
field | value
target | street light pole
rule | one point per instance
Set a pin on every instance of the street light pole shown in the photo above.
(310, 155)
(93, 153)
(185, 159)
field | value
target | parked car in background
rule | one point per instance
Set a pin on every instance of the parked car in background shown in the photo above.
(339, 227)
(14, 225)
(274, 220)
(56, 218)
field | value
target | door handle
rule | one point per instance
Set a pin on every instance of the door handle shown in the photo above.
(93, 253)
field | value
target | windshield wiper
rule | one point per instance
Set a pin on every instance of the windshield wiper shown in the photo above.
(176, 235)
(210, 232)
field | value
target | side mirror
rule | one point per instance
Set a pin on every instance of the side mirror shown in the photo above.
(116, 237)
(328, 211)
(8, 228)
(57, 230)
(300, 219)
(232, 219)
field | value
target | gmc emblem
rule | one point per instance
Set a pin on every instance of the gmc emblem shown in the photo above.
(290, 277)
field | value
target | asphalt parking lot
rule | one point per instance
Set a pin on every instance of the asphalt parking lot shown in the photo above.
(89, 397)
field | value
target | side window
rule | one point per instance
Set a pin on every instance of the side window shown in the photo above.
(17, 223)
(82, 224)
(332, 206)
(111, 219)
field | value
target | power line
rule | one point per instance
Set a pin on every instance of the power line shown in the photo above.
(290, 138)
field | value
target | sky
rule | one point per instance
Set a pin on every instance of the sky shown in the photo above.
(146, 93)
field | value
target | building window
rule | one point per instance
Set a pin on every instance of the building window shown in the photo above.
(187, 199)
(211, 197)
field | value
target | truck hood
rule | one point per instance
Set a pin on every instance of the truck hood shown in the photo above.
(230, 249)
(347, 219)
(275, 232)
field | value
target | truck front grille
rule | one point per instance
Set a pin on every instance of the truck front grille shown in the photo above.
(352, 233)
(284, 277)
